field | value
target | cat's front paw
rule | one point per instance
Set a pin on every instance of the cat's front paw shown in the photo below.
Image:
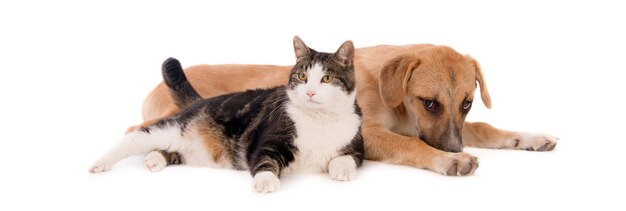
(342, 168)
(155, 161)
(100, 166)
(266, 182)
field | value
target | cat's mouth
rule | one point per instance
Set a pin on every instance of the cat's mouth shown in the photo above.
(312, 101)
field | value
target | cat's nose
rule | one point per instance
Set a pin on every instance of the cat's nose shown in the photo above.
(310, 93)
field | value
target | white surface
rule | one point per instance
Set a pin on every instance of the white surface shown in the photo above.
(74, 75)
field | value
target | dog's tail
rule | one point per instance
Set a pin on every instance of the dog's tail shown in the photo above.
(180, 89)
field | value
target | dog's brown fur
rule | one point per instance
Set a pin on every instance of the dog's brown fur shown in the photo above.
(392, 84)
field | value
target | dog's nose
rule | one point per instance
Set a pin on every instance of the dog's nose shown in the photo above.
(310, 93)
(454, 141)
(455, 147)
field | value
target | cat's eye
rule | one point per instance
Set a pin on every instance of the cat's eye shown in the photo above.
(302, 77)
(327, 79)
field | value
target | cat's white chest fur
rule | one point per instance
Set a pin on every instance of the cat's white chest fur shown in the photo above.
(320, 138)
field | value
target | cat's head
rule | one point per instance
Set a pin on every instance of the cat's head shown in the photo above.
(322, 81)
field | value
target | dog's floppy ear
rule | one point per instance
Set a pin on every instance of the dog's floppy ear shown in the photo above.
(484, 93)
(394, 78)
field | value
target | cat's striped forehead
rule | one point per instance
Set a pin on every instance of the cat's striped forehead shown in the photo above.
(316, 72)
(318, 65)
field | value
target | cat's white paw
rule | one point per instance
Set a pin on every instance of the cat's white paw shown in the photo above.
(266, 182)
(100, 166)
(155, 161)
(342, 168)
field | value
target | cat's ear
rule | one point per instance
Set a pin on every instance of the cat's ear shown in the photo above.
(302, 51)
(345, 53)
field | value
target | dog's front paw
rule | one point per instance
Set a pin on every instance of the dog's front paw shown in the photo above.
(155, 161)
(100, 166)
(266, 182)
(342, 168)
(455, 164)
(534, 142)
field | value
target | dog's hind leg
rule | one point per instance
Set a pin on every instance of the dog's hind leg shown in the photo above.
(483, 135)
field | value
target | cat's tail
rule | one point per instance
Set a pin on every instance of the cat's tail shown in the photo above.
(180, 89)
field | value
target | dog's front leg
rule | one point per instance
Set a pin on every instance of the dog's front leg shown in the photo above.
(384, 145)
(483, 135)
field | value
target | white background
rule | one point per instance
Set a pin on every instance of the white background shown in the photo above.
(74, 75)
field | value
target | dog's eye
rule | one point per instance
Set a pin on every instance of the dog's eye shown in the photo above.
(431, 105)
(467, 105)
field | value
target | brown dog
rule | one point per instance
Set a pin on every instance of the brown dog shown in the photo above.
(414, 100)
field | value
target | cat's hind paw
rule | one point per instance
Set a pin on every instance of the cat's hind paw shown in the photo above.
(100, 166)
(155, 161)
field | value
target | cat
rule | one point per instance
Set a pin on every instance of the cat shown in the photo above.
(310, 125)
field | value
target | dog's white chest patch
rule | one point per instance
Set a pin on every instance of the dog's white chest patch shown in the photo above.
(319, 140)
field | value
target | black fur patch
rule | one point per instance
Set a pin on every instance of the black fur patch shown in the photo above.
(175, 79)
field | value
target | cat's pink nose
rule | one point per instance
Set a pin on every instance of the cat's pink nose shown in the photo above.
(310, 93)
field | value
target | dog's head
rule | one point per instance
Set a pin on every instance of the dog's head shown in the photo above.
(436, 89)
